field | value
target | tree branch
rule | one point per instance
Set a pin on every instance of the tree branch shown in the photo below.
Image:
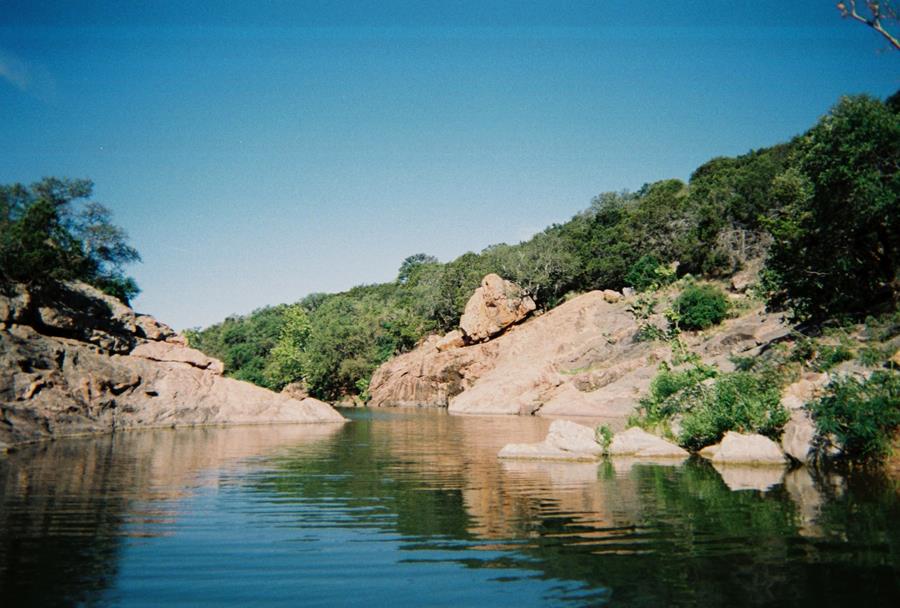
(877, 12)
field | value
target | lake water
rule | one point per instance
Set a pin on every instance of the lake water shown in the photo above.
(412, 508)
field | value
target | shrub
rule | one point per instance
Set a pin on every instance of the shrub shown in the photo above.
(861, 415)
(700, 307)
(669, 390)
(642, 275)
(738, 401)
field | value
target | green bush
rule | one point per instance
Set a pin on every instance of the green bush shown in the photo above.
(862, 415)
(669, 391)
(738, 401)
(642, 275)
(700, 307)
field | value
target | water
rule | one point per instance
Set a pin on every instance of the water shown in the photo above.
(413, 508)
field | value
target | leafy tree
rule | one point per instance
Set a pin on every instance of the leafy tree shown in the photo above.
(45, 237)
(837, 237)
(411, 263)
(286, 359)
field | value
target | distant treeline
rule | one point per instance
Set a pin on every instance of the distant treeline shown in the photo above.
(822, 210)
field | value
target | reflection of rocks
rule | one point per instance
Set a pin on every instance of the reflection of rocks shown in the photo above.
(65, 506)
(743, 477)
(803, 491)
(623, 465)
(557, 474)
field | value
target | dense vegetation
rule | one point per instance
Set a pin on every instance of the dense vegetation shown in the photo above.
(51, 231)
(824, 208)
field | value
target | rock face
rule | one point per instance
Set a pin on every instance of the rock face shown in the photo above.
(638, 442)
(579, 359)
(493, 307)
(738, 448)
(798, 440)
(565, 441)
(77, 361)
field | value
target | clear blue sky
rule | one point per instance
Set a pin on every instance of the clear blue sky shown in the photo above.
(259, 151)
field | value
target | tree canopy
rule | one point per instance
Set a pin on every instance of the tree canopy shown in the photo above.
(52, 231)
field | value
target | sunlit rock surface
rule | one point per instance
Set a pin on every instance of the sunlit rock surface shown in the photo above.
(76, 361)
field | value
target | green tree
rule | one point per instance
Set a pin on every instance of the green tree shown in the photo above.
(286, 359)
(411, 263)
(51, 231)
(837, 238)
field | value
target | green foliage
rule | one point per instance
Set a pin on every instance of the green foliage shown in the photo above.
(50, 231)
(862, 415)
(285, 362)
(837, 238)
(875, 356)
(742, 401)
(642, 274)
(410, 264)
(604, 436)
(668, 391)
(828, 198)
(738, 401)
(830, 355)
(700, 307)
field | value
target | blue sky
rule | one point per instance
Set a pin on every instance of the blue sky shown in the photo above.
(259, 151)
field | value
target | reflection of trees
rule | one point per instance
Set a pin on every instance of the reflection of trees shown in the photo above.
(46, 558)
(655, 535)
(66, 506)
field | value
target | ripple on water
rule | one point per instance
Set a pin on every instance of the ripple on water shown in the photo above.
(414, 508)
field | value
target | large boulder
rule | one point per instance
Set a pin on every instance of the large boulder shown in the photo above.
(739, 448)
(798, 438)
(565, 441)
(573, 437)
(451, 340)
(74, 361)
(493, 307)
(173, 353)
(638, 442)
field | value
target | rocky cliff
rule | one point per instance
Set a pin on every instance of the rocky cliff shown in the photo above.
(580, 359)
(74, 360)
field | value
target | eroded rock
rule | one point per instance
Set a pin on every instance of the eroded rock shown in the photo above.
(493, 307)
(89, 364)
(739, 448)
(565, 441)
(638, 442)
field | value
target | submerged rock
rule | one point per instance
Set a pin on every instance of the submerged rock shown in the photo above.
(638, 442)
(738, 448)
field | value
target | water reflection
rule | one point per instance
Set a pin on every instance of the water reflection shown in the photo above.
(65, 506)
(397, 506)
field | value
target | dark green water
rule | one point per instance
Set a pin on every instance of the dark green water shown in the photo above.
(412, 508)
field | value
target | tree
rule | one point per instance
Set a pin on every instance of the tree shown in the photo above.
(837, 237)
(411, 263)
(879, 12)
(286, 359)
(46, 237)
